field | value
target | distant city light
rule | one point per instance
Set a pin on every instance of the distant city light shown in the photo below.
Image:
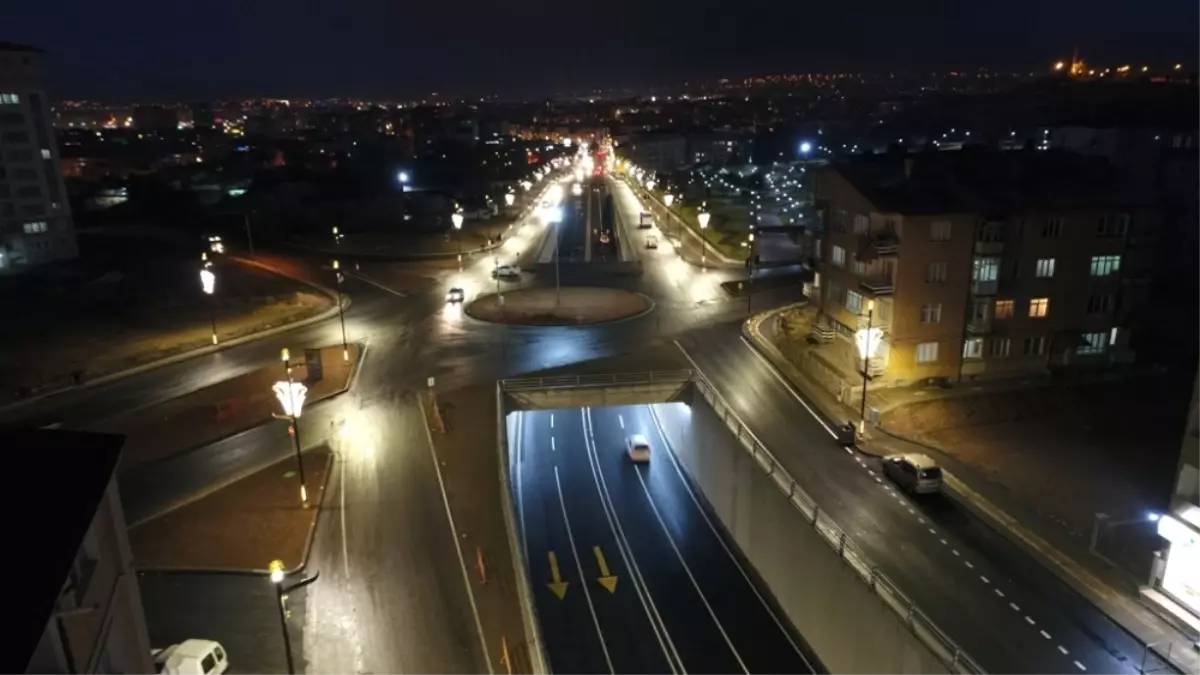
(403, 177)
(805, 147)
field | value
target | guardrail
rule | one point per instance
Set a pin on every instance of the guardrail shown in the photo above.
(533, 627)
(576, 381)
(957, 660)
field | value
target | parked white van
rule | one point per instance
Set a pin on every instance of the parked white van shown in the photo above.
(191, 657)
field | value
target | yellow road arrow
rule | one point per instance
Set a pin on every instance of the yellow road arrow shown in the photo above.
(607, 579)
(557, 585)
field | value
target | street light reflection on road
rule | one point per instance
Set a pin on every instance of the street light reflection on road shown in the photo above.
(355, 434)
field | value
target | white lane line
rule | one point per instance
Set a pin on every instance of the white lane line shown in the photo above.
(943, 542)
(678, 470)
(342, 506)
(378, 285)
(614, 524)
(774, 373)
(1015, 606)
(999, 592)
(579, 568)
(912, 512)
(1029, 620)
(932, 531)
(1080, 666)
(1063, 650)
(984, 579)
(1045, 634)
(552, 445)
(462, 562)
(954, 551)
(551, 420)
(921, 521)
(688, 570)
(968, 564)
(621, 419)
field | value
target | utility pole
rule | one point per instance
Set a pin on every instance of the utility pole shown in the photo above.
(249, 235)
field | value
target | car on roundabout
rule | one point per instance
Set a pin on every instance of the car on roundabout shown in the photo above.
(455, 294)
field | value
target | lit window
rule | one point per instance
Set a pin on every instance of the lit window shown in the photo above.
(1000, 347)
(985, 269)
(1104, 265)
(1095, 343)
(1004, 309)
(973, 348)
(935, 273)
(35, 227)
(839, 256)
(1039, 307)
(939, 230)
(927, 352)
(10, 98)
(1045, 268)
(931, 313)
(1035, 346)
(45, 153)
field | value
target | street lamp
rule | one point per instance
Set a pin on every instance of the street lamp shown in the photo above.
(509, 198)
(867, 341)
(703, 217)
(750, 276)
(337, 272)
(208, 282)
(337, 236)
(291, 397)
(669, 199)
(277, 575)
(457, 219)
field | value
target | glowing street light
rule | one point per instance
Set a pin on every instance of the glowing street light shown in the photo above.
(337, 272)
(403, 177)
(456, 219)
(337, 236)
(208, 283)
(509, 198)
(867, 340)
(703, 217)
(276, 574)
(291, 397)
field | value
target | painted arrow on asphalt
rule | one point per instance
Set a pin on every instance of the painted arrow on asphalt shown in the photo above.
(557, 585)
(607, 579)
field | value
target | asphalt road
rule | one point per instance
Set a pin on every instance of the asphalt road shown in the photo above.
(1007, 612)
(630, 573)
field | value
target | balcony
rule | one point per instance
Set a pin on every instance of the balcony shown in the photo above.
(980, 326)
(877, 285)
(989, 247)
(985, 287)
(879, 245)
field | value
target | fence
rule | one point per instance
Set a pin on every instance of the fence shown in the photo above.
(918, 623)
(575, 381)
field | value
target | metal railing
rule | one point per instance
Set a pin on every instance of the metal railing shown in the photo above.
(576, 381)
(957, 660)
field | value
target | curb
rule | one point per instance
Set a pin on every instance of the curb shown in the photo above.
(203, 351)
(713, 250)
(652, 306)
(308, 542)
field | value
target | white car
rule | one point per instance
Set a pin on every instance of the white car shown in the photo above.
(191, 657)
(651, 241)
(638, 448)
(506, 272)
(914, 473)
(455, 295)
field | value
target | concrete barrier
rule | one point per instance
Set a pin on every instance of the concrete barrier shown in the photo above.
(571, 391)
(854, 618)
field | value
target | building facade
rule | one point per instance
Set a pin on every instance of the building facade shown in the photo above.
(973, 266)
(35, 214)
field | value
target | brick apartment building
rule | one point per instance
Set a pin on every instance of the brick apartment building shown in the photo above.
(980, 263)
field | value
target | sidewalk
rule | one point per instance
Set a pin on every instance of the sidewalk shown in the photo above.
(1111, 592)
(241, 527)
(470, 464)
(160, 431)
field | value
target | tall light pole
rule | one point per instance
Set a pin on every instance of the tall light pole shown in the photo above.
(509, 198)
(337, 236)
(337, 273)
(457, 219)
(750, 277)
(208, 282)
(291, 397)
(277, 575)
(703, 217)
(669, 199)
(867, 341)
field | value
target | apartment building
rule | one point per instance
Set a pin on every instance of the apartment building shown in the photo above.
(73, 593)
(35, 214)
(979, 263)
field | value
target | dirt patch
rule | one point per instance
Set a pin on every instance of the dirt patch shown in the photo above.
(575, 307)
(160, 431)
(78, 331)
(242, 526)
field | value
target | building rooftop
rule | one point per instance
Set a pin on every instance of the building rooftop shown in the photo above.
(14, 47)
(986, 181)
(59, 478)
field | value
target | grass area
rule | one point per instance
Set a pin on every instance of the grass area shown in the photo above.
(474, 235)
(95, 318)
(242, 526)
(160, 431)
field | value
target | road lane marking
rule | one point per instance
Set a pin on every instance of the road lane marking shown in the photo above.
(985, 580)
(1015, 606)
(1045, 634)
(614, 524)
(777, 376)
(954, 551)
(1029, 620)
(1080, 666)
(462, 562)
(679, 472)
(688, 571)
(579, 567)
(376, 284)
(552, 448)
(968, 564)
(1063, 650)
(621, 419)
(557, 585)
(551, 420)
(607, 579)
(999, 592)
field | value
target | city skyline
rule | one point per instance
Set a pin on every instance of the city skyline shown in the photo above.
(371, 51)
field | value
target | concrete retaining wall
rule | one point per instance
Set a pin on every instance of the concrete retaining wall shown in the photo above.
(852, 628)
(579, 397)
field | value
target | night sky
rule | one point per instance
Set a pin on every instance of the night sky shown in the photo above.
(186, 49)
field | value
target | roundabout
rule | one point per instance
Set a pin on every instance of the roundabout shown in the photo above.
(572, 306)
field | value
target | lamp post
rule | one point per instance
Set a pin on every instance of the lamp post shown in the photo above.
(669, 199)
(277, 575)
(867, 341)
(703, 217)
(208, 282)
(457, 219)
(509, 198)
(750, 280)
(291, 397)
(337, 236)
(337, 273)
